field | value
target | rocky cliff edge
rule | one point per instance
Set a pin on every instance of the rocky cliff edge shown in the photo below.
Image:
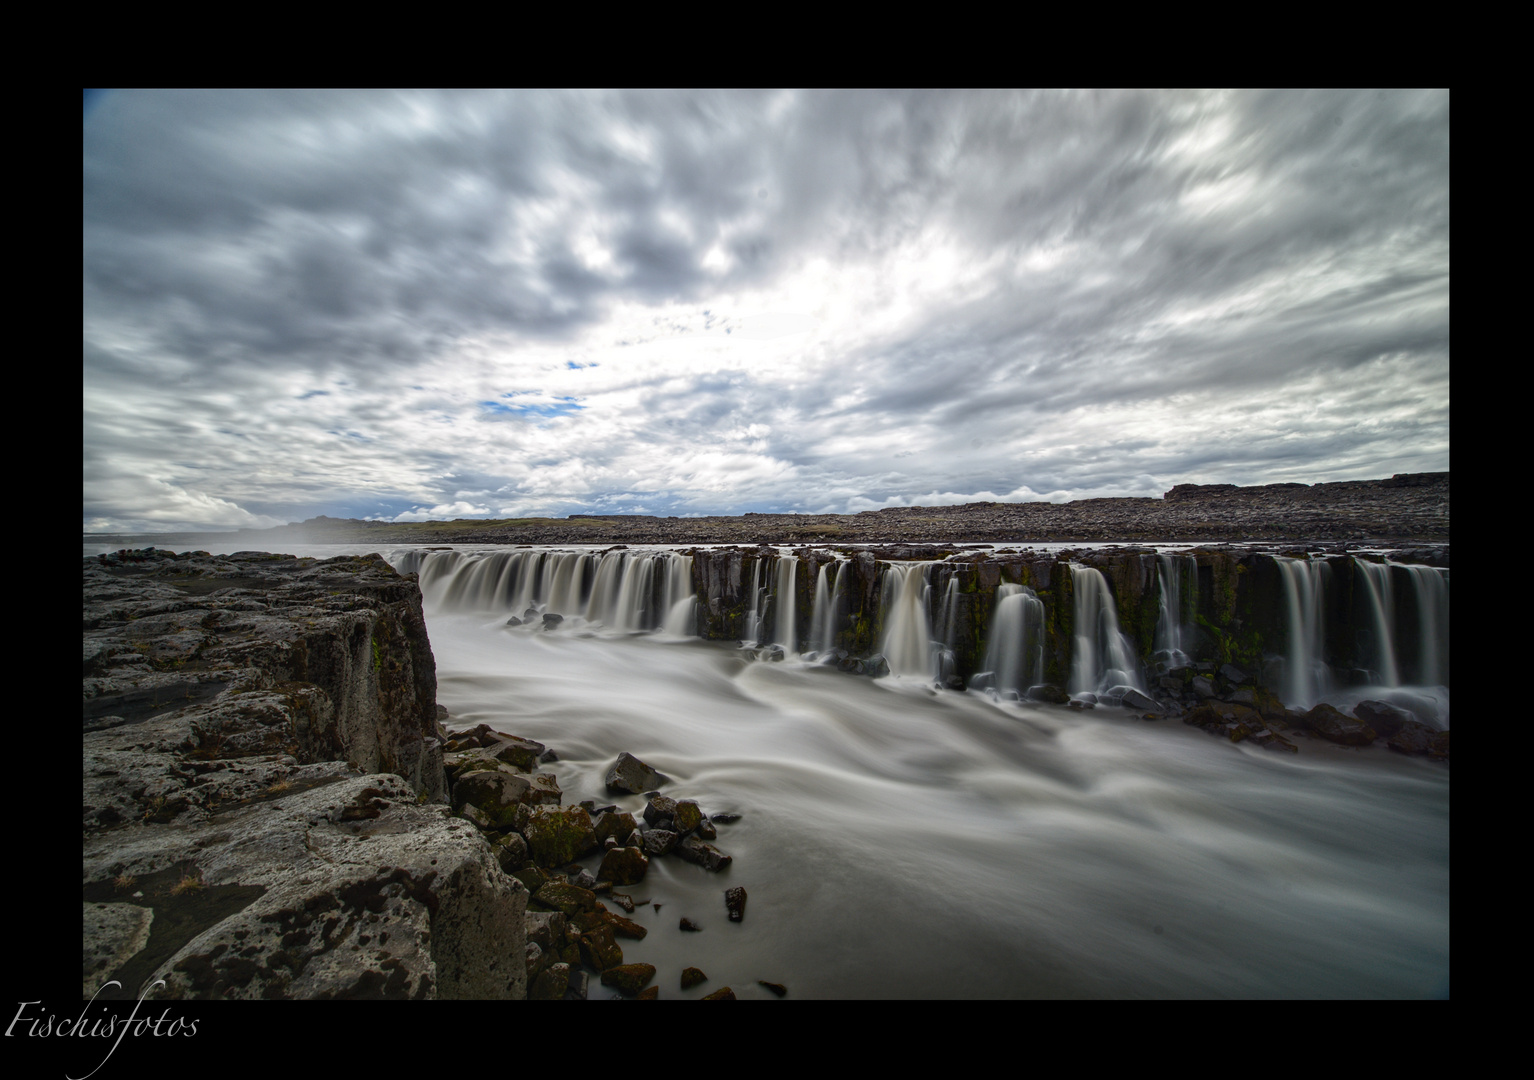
(264, 797)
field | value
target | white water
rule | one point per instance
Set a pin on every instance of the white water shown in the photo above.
(899, 841)
(824, 615)
(1167, 646)
(906, 642)
(787, 605)
(1307, 678)
(1014, 651)
(1102, 656)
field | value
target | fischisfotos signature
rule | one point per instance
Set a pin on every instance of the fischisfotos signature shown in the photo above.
(32, 1021)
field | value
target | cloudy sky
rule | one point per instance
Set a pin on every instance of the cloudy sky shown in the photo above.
(435, 305)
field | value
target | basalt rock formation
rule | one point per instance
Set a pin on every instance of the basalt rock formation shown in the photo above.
(264, 794)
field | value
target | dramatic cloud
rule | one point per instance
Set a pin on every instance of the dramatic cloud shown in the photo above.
(405, 306)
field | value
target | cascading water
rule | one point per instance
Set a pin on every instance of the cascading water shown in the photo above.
(1102, 656)
(828, 585)
(906, 641)
(1167, 647)
(1430, 589)
(1014, 651)
(680, 600)
(621, 594)
(1376, 581)
(1306, 676)
(786, 630)
(754, 612)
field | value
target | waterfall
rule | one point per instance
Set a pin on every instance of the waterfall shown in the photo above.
(1102, 656)
(1430, 589)
(1376, 581)
(828, 586)
(680, 600)
(1014, 650)
(906, 641)
(1167, 645)
(754, 613)
(1306, 676)
(785, 609)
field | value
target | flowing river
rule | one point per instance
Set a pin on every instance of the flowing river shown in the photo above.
(902, 841)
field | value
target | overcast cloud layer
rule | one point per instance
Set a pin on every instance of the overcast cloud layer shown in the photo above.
(418, 305)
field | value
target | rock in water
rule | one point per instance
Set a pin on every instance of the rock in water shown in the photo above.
(735, 901)
(633, 776)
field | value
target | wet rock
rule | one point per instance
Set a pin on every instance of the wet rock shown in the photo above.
(578, 985)
(735, 903)
(706, 855)
(1413, 737)
(520, 753)
(633, 776)
(565, 897)
(1272, 740)
(1203, 687)
(705, 829)
(1234, 675)
(552, 984)
(1131, 698)
(1334, 726)
(628, 979)
(660, 809)
(624, 866)
(551, 620)
(1048, 693)
(555, 835)
(724, 993)
(624, 927)
(496, 794)
(600, 949)
(687, 817)
(724, 819)
(777, 988)
(691, 977)
(658, 842)
(649, 993)
(689, 926)
(1384, 718)
(613, 824)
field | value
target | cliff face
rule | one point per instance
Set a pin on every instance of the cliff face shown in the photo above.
(263, 774)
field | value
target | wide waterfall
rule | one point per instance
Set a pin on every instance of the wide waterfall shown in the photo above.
(1388, 655)
(903, 839)
(1103, 657)
(617, 590)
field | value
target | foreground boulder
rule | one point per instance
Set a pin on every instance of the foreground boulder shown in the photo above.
(1338, 727)
(633, 776)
